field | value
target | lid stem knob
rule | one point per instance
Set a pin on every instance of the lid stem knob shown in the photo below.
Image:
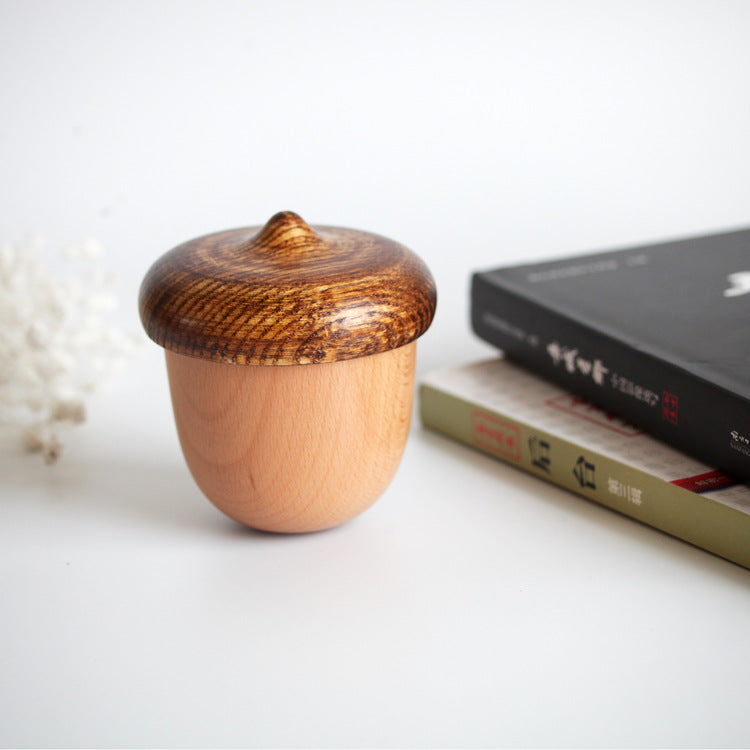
(286, 231)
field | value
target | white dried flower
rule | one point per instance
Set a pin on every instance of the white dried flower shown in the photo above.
(55, 345)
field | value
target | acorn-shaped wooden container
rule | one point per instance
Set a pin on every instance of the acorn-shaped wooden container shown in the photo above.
(290, 353)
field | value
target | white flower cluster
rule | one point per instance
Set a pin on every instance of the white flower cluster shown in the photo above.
(55, 345)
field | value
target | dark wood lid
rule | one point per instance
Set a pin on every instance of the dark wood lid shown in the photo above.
(286, 294)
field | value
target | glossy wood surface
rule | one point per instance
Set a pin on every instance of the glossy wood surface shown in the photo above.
(297, 448)
(287, 294)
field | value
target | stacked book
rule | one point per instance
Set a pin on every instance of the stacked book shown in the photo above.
(624, 377)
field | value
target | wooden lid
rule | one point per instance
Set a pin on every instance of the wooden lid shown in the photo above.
(286, 294)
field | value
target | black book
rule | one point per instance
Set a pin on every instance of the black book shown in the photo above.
(658, 335)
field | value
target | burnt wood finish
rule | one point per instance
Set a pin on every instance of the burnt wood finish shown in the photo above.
(286, 294)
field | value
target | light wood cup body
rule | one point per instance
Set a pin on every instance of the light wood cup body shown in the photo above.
(293, 448)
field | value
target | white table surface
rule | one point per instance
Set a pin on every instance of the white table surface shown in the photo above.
(472, 605)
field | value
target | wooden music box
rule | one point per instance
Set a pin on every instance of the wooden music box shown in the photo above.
(290, 353)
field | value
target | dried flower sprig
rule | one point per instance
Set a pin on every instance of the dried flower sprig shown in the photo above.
(56, 346)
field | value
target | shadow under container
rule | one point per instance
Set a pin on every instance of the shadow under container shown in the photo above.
(290, 353)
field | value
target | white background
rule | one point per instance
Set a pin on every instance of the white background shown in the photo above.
(472, 605)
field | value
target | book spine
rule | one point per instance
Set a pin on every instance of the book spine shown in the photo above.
(689, 516)
(690, 414)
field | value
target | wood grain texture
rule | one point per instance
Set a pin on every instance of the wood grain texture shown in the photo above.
(287, 294)
(297, 448)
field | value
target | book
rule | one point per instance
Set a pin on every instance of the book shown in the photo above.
(659, 335)
(525, 420)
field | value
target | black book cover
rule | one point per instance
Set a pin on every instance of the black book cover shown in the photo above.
(659, 335)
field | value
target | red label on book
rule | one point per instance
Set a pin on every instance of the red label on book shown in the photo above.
(494, 435)
(669, 404)
(711, 480)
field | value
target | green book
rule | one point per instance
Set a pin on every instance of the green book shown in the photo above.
(513, 415)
